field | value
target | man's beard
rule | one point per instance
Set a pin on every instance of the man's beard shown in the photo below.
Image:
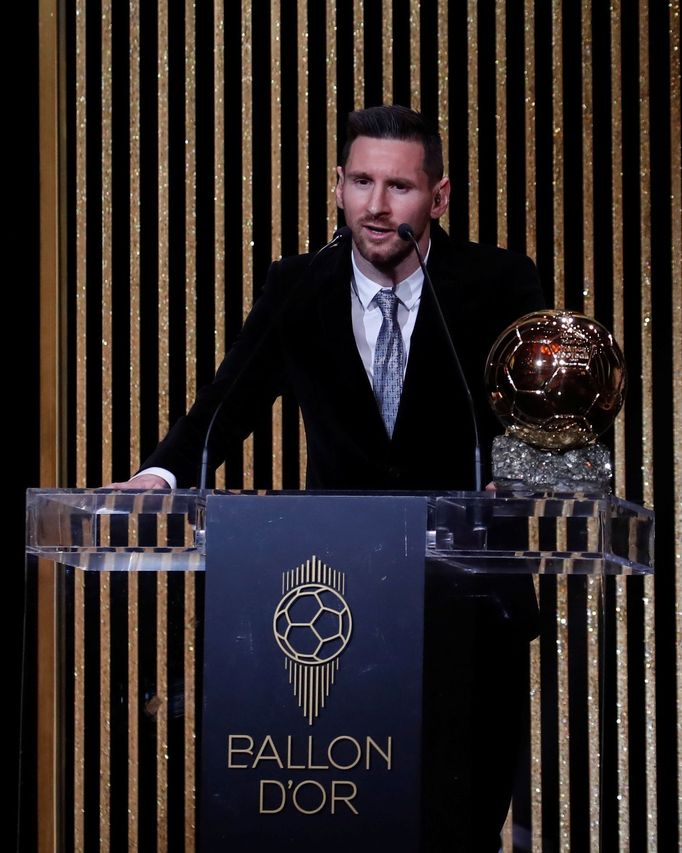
(376, 256)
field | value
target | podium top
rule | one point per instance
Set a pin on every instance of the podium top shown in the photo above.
(470, 532)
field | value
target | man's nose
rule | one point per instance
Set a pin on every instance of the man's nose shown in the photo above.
(377, 201)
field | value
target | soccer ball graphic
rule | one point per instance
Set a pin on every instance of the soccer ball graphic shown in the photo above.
(556, 379)
(312, 624)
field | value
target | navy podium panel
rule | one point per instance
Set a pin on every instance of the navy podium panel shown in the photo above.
(311, 731)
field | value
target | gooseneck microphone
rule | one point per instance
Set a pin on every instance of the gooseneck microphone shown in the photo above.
(338, 236)
(406, 233)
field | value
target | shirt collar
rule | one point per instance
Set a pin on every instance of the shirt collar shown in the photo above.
(408, 290)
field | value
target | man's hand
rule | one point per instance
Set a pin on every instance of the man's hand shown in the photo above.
(491, 487)
(142, 481)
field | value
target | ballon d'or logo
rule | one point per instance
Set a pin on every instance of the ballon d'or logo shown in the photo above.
(312, 626)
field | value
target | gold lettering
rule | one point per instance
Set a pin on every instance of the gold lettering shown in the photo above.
(282, 792)
(358, 752)
(290, 760)
(299, 787)
(232, 749)
(336, 784)
(263, 756)
(387, 756)
(311, 766)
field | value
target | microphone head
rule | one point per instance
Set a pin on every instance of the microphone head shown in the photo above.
(405, 231)
(341, 233)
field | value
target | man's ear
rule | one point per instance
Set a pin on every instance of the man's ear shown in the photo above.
(339, 186)
(441, 198)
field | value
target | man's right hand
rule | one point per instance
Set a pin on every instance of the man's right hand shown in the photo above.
(142, 481)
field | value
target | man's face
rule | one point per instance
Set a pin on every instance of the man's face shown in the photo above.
(382, 185)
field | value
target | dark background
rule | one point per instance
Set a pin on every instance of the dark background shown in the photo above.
(21, 284)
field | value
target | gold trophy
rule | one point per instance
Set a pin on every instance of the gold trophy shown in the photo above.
(556, 380)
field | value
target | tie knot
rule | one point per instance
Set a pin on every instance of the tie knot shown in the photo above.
(387, 302)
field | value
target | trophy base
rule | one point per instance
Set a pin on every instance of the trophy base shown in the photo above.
(518, 465)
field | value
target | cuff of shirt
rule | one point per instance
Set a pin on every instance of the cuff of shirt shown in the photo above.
(171, 479)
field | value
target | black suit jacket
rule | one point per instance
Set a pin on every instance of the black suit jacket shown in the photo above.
(299, 336)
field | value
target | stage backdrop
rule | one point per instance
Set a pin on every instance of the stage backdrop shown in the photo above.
(184, 145)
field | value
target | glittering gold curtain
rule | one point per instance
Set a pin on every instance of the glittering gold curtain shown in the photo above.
(194, 152)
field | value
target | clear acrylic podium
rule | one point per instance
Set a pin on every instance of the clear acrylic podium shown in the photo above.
(113, 683)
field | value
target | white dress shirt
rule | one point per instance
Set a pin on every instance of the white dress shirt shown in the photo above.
(367, 317)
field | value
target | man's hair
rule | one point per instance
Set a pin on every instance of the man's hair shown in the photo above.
(396, 122)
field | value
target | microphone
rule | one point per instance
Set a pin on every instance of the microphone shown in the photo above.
(338, 236)
(406, 233)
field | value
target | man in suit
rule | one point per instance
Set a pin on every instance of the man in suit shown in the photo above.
(319, 331)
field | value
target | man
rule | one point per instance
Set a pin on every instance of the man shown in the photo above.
(321, 330)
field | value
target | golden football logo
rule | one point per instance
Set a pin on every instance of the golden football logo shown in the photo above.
(312, 626)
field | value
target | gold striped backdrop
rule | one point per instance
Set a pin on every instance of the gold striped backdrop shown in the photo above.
(187, 144)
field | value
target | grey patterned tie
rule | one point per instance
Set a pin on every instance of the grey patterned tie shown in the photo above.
(389, 359)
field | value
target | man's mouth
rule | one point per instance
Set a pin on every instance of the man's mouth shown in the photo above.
(377, 230)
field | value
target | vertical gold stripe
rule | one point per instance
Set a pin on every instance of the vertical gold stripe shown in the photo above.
(190, 204)
(472, 98)
(247, 156)
(134, 231)
(358, 54)
(564, 729)
(247, 195)
(622, 727)
(303, 163)
(593, 605)
(162, 710)
(81, 246)
(277, 470)
(645, 247)
(617, 228)
(387, 49)
(650, 719)
(276, 125)
(302, 454)
(107, 248)
(415, 56)
(535, 744)
(104, 711)
(529, 95)
(52, 231)
(51, 263)
(676, 256)
(219, 191)
(190, 725)
(558, 154)
(133, 719)
(276, 192)
(501, 119)
(79, 725)
(647, 411)
(303, 167)
(443, 98)
(332, 107)
(163, 205)
(588, 161)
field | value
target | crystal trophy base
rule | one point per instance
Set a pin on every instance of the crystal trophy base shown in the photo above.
(517, 464)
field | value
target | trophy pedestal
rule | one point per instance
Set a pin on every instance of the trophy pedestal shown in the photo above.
(517, 464)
